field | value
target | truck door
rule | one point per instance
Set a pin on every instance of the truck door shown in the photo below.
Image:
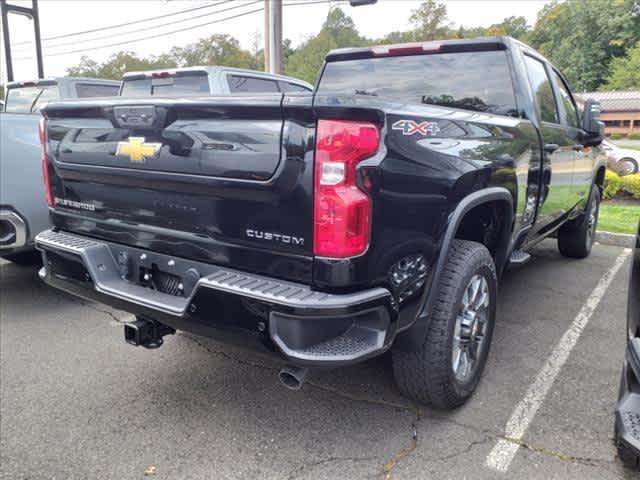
(583, 159)
(558, 152)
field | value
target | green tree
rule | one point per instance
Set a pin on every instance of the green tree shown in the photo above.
(218, 49)
(430, 22)
(337, 31)
(397, 37)
(582, 36)
(118, 64)
(625, 71)
(515, 27)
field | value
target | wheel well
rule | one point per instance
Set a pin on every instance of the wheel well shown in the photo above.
(490, 224)
(599, 180)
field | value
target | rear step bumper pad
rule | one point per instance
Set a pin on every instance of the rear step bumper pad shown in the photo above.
(628, 408)
(310, 327)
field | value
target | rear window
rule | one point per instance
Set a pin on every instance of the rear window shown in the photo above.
(478, 81)
(30, 99)
(242, 83)
(86, 90)
(167, 86)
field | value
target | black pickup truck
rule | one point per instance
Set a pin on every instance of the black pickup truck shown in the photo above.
(376, 213)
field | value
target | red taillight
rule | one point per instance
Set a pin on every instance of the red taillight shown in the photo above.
(42, 135)
(341, 211)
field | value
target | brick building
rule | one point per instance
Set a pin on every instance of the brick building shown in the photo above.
(620, 110)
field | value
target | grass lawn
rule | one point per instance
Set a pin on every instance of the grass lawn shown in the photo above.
(619, 217)
(630, 144)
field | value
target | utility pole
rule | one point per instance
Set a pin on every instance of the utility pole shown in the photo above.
(32, 13)
(274, 35)
(273, 32)
(266, 35)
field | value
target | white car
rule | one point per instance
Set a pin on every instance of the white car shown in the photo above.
(629, 159)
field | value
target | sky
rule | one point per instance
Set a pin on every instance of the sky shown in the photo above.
(62, 17)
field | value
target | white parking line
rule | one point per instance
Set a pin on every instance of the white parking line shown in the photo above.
(505, 449)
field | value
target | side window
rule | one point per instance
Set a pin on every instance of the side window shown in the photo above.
(567, 101)
(241, 83)
(85, 90)
(292, 87)
(543, 93)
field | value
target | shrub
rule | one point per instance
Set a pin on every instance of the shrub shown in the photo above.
(611, 184)
(616, 136)
(631, 185)
(634, 136)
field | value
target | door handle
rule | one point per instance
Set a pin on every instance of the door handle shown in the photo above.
(578, 147)
(551, 147)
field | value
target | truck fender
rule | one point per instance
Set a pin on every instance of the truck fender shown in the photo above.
(413, 337)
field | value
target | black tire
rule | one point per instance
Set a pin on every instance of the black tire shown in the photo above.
(427, 374)
(576, 238)
(631, 164)
(627, 454)
(25, 259)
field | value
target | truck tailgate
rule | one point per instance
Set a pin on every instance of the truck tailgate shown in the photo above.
(225, 180)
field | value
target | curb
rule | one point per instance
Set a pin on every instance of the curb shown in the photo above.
(617, 239)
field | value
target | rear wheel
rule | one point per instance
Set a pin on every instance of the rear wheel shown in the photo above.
(576, 238)
(446, 369)
(627, 454)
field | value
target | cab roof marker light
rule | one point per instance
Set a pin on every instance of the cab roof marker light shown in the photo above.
(405, 49)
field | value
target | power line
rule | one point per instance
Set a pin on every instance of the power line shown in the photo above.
(152, 27)
(108, 27)
(193, 27)
(150, 37)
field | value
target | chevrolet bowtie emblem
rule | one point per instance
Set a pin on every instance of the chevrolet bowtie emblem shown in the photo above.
(137, 150)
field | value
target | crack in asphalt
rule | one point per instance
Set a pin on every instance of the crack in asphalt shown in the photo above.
(85, 303)
(418, 416)
(462, 451)
(588, 461)
(388, 467)
(310, 466)
(93, 306)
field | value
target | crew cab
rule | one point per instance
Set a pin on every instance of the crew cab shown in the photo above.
(210, 80)
(376, 214)
(23, 212)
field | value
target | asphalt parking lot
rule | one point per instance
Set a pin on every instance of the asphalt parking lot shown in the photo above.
(78, 403)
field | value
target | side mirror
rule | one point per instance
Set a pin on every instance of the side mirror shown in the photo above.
(591, 122)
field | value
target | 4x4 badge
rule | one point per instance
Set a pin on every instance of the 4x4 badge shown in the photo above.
(409, 127)
(137, 150)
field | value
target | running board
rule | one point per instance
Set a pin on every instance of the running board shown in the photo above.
(519, 258)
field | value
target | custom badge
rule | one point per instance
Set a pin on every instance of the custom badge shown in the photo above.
(137, 150)
(409, 127)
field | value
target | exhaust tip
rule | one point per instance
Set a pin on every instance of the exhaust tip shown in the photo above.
(292, 377)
